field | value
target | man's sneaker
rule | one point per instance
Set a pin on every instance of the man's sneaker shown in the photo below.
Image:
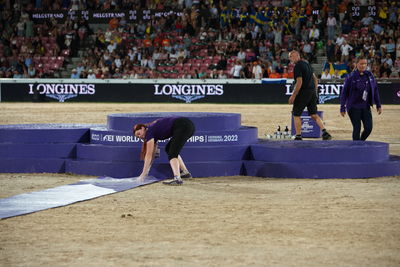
(173, 182)
(298, 137)
(326, 136)
(186, 175)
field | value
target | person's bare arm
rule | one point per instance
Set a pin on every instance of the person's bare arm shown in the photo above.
(148, 159)
(299, 82)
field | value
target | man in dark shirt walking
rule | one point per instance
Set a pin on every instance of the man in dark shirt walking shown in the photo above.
(305, 95)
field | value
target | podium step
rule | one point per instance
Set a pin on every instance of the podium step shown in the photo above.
(323, 169)
(159, 170)
(32, 165)
(12, 150)
(320, 151)
(203, 121)
(189, 153)
(45, 133)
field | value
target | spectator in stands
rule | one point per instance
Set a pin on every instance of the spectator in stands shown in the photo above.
(91, 75)
(74, 74)
(331, 26)
(31, 71)
(339, 40)
(391, 48)
(336, 75)
(29, 32)
(173, 56)
(387, 59)
(221, 74)
(308, 51)
(241, 55)
(397, 63)
(278, 32)
(346, 26)
(117, 74)
(326, 75)
(256, 71)
(385, 68)
(367, 19)
(330, 51)
(377, 28)
(314, 33)
(237, 70)
(17, 74)
(342, 9)
(182, 55)
(222, 63)
(305, 32)
(279, 69)
(345, 48)
(274, 74)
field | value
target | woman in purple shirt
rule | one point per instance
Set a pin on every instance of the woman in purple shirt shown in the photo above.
(179, 130)
(359, 93)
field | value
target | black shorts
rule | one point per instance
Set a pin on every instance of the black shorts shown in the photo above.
(305, 98)
(182, 130)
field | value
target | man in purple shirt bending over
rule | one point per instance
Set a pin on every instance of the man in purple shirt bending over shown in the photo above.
(359, 93)
(179, 130)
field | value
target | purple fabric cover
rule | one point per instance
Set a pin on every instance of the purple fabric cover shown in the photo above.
(203, 121)
(189, 153)
(320, 151)
(323, 169)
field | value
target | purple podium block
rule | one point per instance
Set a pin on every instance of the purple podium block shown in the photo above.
(57, 150)
(188, 153)
(219, 147)
(309, 128)
(204, 121)
(159, 170)
(45, 133)
(323, 169)
(241, 136)
(32, 165)
(320, 151)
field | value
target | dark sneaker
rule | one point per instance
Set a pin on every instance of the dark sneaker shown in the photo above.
(298, 137)
(326, 136)
(173, 182)
(186, 176)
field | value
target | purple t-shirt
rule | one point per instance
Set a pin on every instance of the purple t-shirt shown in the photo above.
(160, 129)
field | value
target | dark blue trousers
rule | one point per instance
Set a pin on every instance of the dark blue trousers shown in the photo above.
(358, 115)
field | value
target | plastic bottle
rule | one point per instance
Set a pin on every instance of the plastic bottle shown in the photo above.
(286, 133)
(278, 132)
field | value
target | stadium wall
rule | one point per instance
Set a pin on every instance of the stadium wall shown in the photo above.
(240, 91)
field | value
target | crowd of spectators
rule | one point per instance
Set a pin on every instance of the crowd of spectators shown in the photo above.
(209, 39)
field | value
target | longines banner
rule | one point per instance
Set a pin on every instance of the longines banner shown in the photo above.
(175, 92)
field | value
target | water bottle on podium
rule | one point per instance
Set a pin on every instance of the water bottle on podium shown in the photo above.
(286, 133)
(278, 133)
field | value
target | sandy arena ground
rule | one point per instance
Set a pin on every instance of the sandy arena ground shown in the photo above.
(219, 221)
